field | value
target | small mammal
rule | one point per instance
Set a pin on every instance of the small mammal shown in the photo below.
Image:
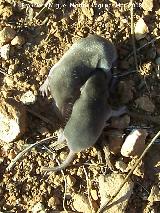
(88, 117)
(70, 73)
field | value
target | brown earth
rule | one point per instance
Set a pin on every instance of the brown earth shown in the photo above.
(46, 39)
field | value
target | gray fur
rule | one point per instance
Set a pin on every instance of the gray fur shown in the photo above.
(89, 114)
(68, 75)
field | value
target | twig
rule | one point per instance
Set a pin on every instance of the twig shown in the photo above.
(88, 187)
(19, 156)
(65, 186)
(132, 35)
(129, 174)
(4, 73)
(148, 43)
(120, 74)
(46, 120)
(145, 45)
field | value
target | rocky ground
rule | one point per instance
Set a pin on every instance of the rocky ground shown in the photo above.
(32, 40)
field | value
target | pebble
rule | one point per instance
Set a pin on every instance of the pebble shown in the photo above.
(12, 68)
(18, 40)
(8, 81)
(154, 194)
(6, 35)
(28, 98)
(120, 165)
(134, 143)
(5, 11)
(147, 5)
(5, 51)
(115, 138)
(141, 29)
(12, 121)
(70, 180)
(38, 208)
(145, 103)
(53, 202)
(94, 194)
(81, 203)
(108, 185)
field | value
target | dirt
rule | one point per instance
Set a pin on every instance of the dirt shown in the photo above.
(45, 39)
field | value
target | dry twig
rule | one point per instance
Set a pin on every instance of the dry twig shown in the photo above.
(46, 120)
(65, 186)
(88, 187)
(145, 45)
(19, 156)
(4, 73)
(108, 204)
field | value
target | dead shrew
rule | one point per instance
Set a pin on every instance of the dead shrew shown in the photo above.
(70, 73)
(89, 114)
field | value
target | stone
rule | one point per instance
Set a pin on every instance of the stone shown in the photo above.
(5, 51)
(147, 5)
(38, 208)
(12, 121)
(154, 194)
(53, 202)
(141, 29)
(6, 35)
(120, 165)
(94, 194)
(145, 103)
(108, 185)
(81, 203)
(18, 40)
(5, 11)
(115, 139)
(134, 143)
(70, 180)
(12, 68)
(28, 98)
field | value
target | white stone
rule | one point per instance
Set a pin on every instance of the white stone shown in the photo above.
(18, 40)
(12, 122)
(154, 194)
(5, 50)
(141, 29)
(28, 98)
(134, 143)
(38, 208)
